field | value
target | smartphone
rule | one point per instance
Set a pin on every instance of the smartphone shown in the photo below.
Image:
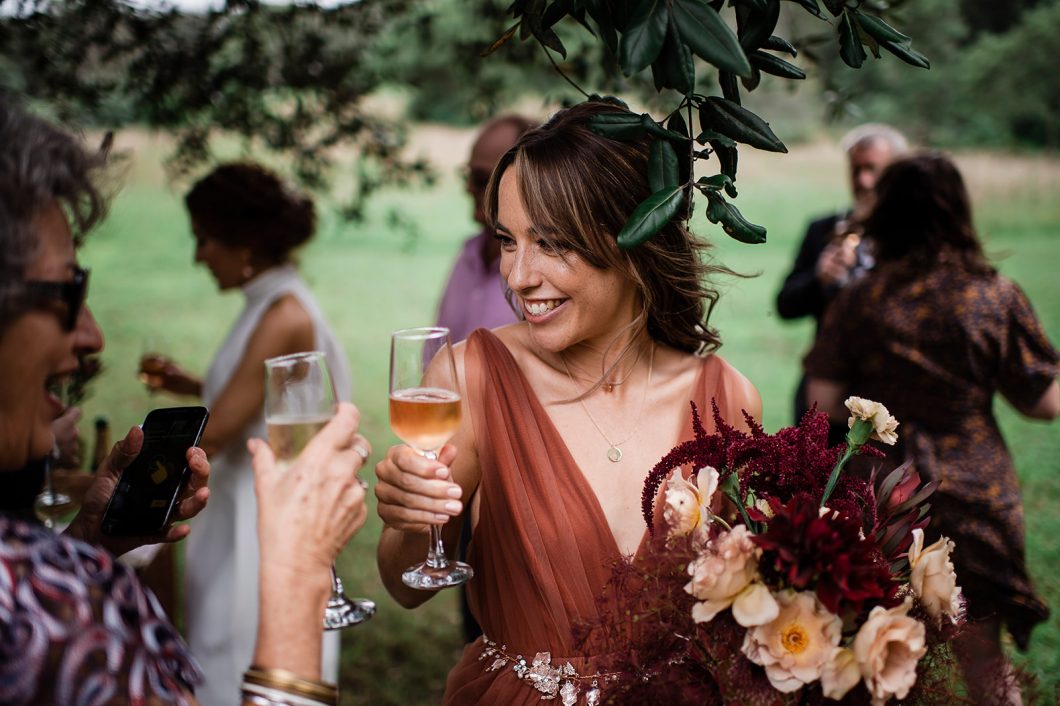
(147, 492)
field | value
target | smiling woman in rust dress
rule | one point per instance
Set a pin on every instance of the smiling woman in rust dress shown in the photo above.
(934, 332)
(565, 412)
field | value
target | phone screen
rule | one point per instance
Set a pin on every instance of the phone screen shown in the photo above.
(150, 485)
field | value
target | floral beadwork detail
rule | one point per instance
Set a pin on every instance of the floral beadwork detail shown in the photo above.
(550, 680)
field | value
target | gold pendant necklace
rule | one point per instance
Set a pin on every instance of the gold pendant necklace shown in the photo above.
(614, 452)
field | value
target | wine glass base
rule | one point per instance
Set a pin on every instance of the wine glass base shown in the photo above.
(343, 612)
(427, 578)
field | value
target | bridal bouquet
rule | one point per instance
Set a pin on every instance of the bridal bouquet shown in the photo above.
(780, 579)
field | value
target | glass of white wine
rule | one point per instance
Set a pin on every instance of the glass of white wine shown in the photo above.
(425, 413)
(51, 505)
(299, 401)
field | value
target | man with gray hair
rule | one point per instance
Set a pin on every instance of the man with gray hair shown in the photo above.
(832, 252)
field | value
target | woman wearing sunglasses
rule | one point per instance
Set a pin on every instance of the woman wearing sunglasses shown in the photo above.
(77, 625)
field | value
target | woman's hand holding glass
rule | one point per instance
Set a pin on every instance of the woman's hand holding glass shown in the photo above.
(415, 492)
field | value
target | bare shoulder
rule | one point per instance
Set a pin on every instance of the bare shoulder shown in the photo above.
(287, 322)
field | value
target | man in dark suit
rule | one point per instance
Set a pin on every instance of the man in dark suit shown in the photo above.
(832, 252)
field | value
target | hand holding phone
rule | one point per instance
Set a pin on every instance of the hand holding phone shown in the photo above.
(146, 495)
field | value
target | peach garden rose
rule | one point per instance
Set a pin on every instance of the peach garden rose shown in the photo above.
(887, 647)
(724, 575)
(933, 577)
(795, 646)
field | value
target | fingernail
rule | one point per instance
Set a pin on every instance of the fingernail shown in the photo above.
(442, 472)
(454, 492)
(453, 506)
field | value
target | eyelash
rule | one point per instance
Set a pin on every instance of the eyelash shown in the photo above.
(549, 247)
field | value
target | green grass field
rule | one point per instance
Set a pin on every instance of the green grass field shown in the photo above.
(369, 281)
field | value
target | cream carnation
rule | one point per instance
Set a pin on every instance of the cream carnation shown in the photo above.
(687, 506)
(795, 646)
(933, 578)
(883, 424)
(887, 648)
(724, 574)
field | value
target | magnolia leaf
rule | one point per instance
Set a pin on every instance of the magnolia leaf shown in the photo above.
(880, 30)
(709, 37)
(663, 169)
(776, 66)
(727, 155)
(650, 216)
(755, 23)
(617, 126)
(714, 183)
(737, 122)
(729, 88)
(643, 39)
(850, 49)
(659, 131)
(677, 124)
(752, 83)
(907, 54)
(674, 68)
(501, 41)
(732, 221)
(776, 43)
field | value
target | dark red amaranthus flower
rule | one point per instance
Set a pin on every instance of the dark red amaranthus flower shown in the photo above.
(803, 550)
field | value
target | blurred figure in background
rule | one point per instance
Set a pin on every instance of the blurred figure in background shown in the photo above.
(833, 252)
(933, 332)
(474, 297)
(247, 224)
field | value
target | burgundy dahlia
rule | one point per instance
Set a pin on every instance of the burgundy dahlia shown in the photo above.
(805, 551)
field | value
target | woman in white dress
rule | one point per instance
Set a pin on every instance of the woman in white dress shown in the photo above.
(247, 223)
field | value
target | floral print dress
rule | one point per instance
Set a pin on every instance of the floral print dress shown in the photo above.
(76, 627)
(935, 348)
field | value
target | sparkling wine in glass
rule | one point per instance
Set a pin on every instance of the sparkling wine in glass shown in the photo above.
(425, 413)
(52, 505)
(299, 401)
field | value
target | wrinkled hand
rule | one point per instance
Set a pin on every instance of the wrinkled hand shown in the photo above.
(310, 509)
(835, 263)
(415, 492)
(67, 440)
(192, 500)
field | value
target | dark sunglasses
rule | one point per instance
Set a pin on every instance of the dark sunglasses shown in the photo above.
(71, 293)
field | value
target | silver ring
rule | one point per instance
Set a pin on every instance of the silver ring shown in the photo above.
(363, 482)
(365, 453)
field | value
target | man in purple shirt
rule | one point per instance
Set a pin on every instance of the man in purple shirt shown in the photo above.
(474, 295)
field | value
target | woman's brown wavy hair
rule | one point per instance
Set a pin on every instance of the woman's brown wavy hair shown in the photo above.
(581, 187)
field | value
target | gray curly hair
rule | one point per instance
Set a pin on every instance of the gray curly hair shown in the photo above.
(40, 165)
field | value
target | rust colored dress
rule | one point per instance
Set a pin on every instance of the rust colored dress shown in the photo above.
(934, 349)
(542, 546)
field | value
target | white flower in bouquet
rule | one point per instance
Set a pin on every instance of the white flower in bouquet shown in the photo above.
(724, 575)
(883, 424)
(840, 674)
(887, 648)
(795, 646)
(933, 577)
(687, 506)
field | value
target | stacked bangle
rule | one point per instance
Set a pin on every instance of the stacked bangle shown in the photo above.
(279, 687)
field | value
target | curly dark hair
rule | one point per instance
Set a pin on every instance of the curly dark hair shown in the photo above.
(244, 205)
(923, 213)
(40, 165)
(581, 187)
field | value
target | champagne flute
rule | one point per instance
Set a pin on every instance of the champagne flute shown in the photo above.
(50, 504)
(299, 401)
(425, 413)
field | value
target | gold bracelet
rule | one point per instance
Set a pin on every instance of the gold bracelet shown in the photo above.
(289, 681)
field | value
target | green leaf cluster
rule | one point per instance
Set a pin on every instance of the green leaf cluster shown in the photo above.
(668, 37)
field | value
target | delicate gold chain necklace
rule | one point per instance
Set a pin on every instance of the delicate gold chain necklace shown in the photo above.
(614, 453)
(609, 386)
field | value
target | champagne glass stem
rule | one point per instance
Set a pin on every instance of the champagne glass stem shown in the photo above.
(436, 558)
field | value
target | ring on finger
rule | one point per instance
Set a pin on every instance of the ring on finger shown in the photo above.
(363, 482)
(364, 453)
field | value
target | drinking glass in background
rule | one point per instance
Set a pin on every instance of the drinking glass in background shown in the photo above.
(299, 401)
(153, 364)
(52, 505)
(425, 413)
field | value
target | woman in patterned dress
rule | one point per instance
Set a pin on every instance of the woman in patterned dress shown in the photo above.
(933, 332)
